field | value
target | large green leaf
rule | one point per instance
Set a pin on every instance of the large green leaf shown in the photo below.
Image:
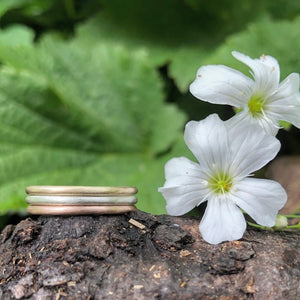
(6, 5)
(179, 33)
(277, 38)
(69, 116)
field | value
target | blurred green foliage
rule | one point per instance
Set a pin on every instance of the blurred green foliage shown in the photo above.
(96, 92)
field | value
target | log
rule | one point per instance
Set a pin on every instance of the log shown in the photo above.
(141, 256)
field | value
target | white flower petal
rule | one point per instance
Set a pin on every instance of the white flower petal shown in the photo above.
(287, 91)
(265, 72)
(272, 63)
(222, 221)
(251, 147)
(293, 116)
(182, 171)
(285, 102)
(184, 188)
(208, 141)
(222, 85)
(268, 123)
(260, 198)
(182, 199)
(237, 120)
(180, 166)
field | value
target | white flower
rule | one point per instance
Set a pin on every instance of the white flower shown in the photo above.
(263, 100)
(226, 157)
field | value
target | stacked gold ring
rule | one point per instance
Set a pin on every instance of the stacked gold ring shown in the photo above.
(80, 200)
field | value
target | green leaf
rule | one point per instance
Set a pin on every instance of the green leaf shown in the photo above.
(168, 123)
(82, 117)
(276, 38)
(183, 39)
(185, 63)
(6, 5)
(16, 35)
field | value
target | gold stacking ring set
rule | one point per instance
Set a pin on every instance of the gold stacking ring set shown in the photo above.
(80, 200)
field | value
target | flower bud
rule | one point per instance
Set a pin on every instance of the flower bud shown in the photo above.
(281, 222)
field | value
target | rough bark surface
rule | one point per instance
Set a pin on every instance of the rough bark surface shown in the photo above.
(107, 257)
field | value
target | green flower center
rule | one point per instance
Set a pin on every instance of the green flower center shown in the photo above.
(220, 183)
(255, 105)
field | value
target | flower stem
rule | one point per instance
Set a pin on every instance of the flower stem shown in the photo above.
(293, 226)
(257, 226)
(297, 226)
(292, 216)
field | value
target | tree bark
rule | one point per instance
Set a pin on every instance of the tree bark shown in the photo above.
(141, 256)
